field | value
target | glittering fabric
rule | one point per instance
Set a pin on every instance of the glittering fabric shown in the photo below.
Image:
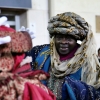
(55, 85)
(74, 89)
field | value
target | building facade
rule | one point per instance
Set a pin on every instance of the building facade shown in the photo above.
(35, 14)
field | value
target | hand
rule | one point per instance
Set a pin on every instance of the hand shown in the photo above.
(42, 77)
(39, 74)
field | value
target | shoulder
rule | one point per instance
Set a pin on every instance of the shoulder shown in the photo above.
(39, 47)
(35, 50)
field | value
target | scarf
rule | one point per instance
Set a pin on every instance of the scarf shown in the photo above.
(85, 58)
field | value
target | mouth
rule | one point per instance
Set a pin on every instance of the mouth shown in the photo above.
(63, 48)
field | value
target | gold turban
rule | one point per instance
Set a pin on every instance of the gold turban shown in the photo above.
(68, 23)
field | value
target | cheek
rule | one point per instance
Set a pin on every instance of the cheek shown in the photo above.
(56, 43)
(72, 44)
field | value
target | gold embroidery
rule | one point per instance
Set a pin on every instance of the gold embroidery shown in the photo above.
(47, 52)
(68, 65)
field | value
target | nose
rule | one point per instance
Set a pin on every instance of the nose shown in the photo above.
(64, 40)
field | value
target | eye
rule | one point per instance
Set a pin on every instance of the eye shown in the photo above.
(68, 39)
(58, 36)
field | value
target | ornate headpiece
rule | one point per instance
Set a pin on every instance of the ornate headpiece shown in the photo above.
(68, 23)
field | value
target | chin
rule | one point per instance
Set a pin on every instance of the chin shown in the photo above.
(63, 53)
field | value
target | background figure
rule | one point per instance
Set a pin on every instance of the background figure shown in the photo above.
(74, 69)
(99, 54)
(18, 81)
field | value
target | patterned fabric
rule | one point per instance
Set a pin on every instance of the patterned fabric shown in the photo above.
(68, 23)
(5, 48)
(5, 31)
(13, 84)
(20, 42)
(6, 62)
(12, 88)
(20, 83)
(78, 90)
(55, 85)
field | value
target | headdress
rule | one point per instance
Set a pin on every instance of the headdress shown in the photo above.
(68, 23)
(12, 40)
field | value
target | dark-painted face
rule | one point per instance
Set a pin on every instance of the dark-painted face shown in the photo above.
(64, 44)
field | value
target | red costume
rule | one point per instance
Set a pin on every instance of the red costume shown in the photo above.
(19, 83)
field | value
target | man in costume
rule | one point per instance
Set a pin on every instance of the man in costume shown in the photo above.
(17, 81)
(74, 69)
